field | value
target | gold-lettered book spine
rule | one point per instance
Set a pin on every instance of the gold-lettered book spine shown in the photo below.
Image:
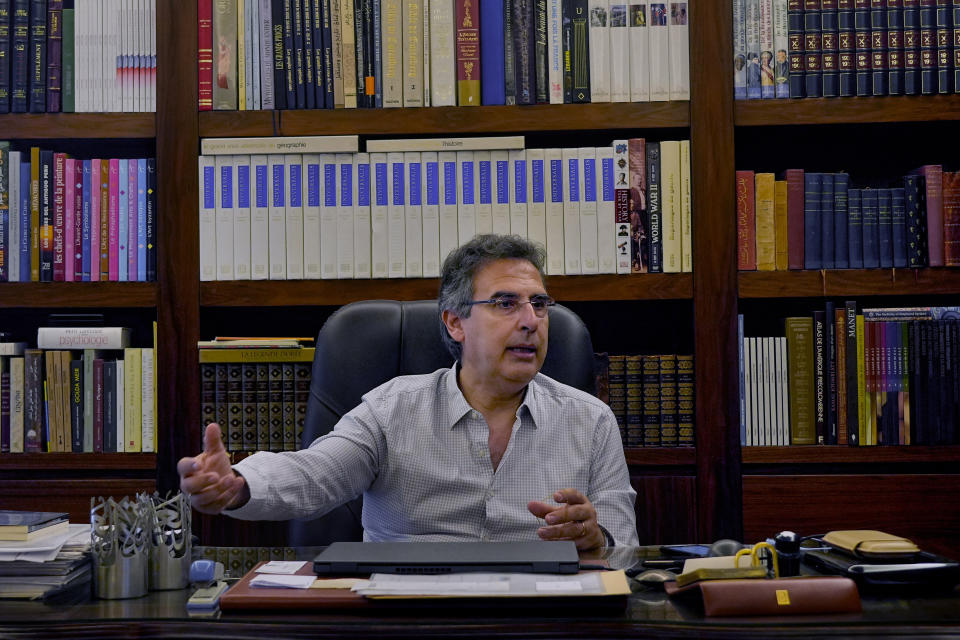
(304, 354)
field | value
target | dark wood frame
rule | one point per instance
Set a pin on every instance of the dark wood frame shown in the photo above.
(713, 120)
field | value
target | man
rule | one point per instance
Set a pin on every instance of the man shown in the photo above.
(464, 453)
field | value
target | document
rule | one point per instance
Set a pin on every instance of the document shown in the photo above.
(494, 585)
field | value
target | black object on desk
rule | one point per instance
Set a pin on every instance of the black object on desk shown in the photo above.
(924, 572)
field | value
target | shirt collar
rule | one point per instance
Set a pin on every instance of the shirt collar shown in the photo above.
(457, 405)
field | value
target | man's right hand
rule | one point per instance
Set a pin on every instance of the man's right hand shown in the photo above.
(209, 479)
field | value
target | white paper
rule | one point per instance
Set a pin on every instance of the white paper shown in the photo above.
(482, 584)
(282, 566)
(282, 582)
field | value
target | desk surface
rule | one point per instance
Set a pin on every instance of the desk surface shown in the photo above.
(649, 614)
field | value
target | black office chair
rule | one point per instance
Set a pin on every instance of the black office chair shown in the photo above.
(364, 344)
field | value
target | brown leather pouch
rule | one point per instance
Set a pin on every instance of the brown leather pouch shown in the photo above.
(871, 544)
(785, 596)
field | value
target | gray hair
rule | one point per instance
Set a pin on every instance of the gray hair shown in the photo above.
(461, 266)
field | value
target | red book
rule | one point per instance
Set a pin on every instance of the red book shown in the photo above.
(951, 218)
(59, 196)
(69, 213)
(933, 177)
(794, 179)
(746, 222)
(78, 247)
(468, 52)
(113, 223)
(94, 247)
(205, 53)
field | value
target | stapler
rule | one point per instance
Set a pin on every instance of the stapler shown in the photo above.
(207, 575)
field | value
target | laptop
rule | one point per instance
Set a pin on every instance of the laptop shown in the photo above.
(431, 558)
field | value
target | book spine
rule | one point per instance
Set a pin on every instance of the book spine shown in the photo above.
(580, 52)
(540, 50)
(310, 75)
(392, 64)
(278, 54)
(589, 260)
(468, 53)
(914, 233)
(765, 30)
(829, 43)
(224, 72)
(412, 22)
(870, 215)
(379, 197)
(621, 206)
(746, 221)
(19, 59)
(571, 211)
(780, 63)
(104, 210)
(895, 49)
(54, 67)
(863, 36)
(654, 208)
(600, 54)
(740, 49)
(846, 49)
(299, 65)
(509, 55)
(841, 221)
(133, 221)
(606, 221)
(6, 52)
(518, 195)
(812, 47)
(413, 215)
(855, 228)
(396, 211)
(621, 62)
(45, 196)
(59, 215)
(113, 225)
(264, 29)
(752, 23)
(830, 435)
(241, 217)
(795, 218)
(637, 209)
(658, 40)
(38, 56)
(442, 57)
(555, 64)
(827, 245)
(811, 221)
(911, 47)
(312, 199)
(492, 51)
(765, 227)
(945, 46)
(899, 227)
(880, 61)
(820, 376)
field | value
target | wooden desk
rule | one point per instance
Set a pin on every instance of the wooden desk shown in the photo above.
(649, 614)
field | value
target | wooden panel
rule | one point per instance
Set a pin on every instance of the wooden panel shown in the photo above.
(71, 496)
(35, 295)
(924, 508)
(488, 120)
(178, 261)
(79, 461)
(852, 282)
(849, 455)
(660, 456)
(714, 270)
(832, 111)
(666, 509)
(226, 531)
(338, 292)
(230, 124)
(49, 126)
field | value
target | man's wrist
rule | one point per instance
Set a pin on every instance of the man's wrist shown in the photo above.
(243, 497)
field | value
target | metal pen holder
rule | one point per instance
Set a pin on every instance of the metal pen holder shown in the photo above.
(119, 531)
(169, 542)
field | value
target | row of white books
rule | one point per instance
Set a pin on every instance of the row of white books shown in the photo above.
(397, 214)
(115, 53)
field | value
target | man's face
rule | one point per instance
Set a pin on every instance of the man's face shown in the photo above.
(503, 351)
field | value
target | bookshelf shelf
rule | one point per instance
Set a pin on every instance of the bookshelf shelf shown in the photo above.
(853, 282)
(270, 293)
(438, 121)
(74, 295)
(816, 111)
(661, 456)
(78, 461)
(51, 126)
(820, 455)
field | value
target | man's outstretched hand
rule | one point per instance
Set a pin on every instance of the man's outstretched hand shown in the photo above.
(209, 479)
(575, 519)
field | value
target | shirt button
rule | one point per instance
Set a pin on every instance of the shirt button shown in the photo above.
(475, 415)
(490, 494)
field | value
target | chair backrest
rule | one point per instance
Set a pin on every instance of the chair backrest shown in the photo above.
(364, 344)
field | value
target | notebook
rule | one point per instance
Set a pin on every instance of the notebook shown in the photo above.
(425, 558)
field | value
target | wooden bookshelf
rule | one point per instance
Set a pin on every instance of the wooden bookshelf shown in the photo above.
(490, 120)
(53, 126)
(76, 295)
(852, 282)
(841, 455)
(272, 293)
(816, 111)
(661, 456)
(78, 461)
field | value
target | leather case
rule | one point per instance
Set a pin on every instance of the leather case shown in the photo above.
(871, 544)
(785, 596)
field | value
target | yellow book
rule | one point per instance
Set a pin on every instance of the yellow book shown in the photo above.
(348, 50)
(861, 387)
(148, 429)
(670, 205)
(780, 220)
(720, 573)
(686, 238)
(131, 400)
(766, 241)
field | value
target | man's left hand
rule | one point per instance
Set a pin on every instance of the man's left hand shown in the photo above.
(575, 519)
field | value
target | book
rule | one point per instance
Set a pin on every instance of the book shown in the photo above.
(492, 83)
(467, 44)
(288, 144)
(83, 337)
(28, 525)
(480, 143)
(799, 333)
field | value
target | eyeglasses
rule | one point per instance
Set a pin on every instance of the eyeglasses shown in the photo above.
(509, 303)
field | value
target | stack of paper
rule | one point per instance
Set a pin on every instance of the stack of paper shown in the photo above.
(46, 566)
(494, 585)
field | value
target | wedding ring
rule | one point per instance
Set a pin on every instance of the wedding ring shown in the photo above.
(583, 529)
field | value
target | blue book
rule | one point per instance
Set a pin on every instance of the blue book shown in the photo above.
(827, 229)
(885, 227)
(854, 229)
(871, 237)
(25, 219)
(123, 221)
(812, 251)
(898, 214)
(841, 224)
(492, 81)
(37, 55)
(141, 220)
